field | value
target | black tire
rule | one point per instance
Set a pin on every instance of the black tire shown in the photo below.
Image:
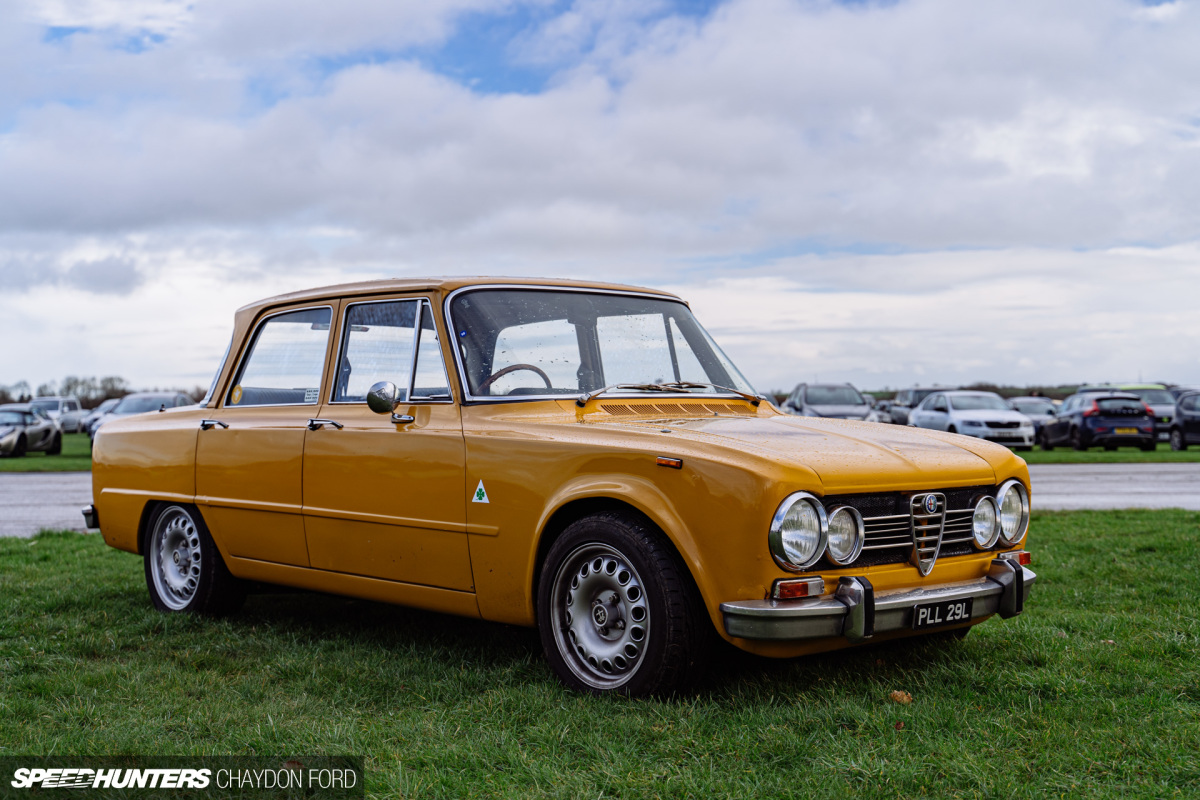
(1177, 440)
(55, 446)
(1044, 441)
(21, 447)
(662, 649)
(1077, 440)
(185, 583)
(1149, 448)
(951, 429)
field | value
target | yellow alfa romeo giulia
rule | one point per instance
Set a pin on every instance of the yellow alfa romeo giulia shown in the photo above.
(574, 456)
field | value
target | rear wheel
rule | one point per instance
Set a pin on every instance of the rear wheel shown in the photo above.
(184, 569)
(1044, 441)
(1077, 439)
(617, 610)
(1177, 440)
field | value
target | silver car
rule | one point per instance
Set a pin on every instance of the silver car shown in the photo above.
(141, 403)
(67, 410)
(829, 400)
(981, 414)
(25, 428)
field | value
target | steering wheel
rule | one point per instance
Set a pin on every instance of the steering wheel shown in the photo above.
(495, 376)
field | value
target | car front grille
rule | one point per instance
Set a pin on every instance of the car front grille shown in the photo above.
(1009, 424)
(889, 521)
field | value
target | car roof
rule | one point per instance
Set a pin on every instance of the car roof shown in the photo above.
(961, 392)
(1032, 397)
(1117, 394)
(443, 284)
(16, 407)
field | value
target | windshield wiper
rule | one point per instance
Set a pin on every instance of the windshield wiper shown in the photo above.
(753, 399)
(584, 399)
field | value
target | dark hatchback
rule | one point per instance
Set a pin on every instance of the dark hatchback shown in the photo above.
(1186, 428)
(1106, 419)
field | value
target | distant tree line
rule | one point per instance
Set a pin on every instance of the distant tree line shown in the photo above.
(91, 391)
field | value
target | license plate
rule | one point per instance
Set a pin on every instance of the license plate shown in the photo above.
(1130, 431)
(947, 612)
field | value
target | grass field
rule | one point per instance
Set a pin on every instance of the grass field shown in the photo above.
(1094, 691)
(76, 456)
(1098, 455)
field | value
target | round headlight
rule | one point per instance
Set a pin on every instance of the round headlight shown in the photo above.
(846, 534)
(1014, 512)
(985, 525)
(798, 531)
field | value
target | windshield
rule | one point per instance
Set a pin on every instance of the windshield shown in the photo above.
(833, 396)
(139, 405)
(1120, 406)
(12, 418)
(542, 342)
(46, 405)
(1034, 406)
(1156, 396)
(977, 402)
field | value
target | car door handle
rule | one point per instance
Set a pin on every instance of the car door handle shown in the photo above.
(316, 424)
(402, 419)
(205, 424)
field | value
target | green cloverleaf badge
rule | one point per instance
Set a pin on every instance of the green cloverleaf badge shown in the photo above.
(480, 494)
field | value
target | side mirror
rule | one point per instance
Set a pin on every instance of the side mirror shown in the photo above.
(383, 397)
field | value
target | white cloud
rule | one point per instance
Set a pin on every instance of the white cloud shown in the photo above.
(1016, 146)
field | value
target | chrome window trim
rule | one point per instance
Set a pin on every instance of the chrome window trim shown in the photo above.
(423, 302)
(236, 374)
(525, 398)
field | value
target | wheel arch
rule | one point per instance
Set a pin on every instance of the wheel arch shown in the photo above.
(581, 501)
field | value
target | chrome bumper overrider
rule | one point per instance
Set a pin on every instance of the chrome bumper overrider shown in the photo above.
(855, 611)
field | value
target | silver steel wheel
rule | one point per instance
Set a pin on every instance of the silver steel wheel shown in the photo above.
(175, 558)
(599, 615)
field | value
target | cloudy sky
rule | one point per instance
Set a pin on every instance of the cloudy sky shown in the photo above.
(881, 192)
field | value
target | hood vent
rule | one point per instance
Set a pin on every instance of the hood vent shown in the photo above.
(684, 409)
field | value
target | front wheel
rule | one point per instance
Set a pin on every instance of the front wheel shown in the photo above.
(184, 569)
(1044, 440)
(55, 446)
(1077, 440)
(617, 610)
(1177, 440)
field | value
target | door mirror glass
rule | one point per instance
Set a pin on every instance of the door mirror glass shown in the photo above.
(382, 397)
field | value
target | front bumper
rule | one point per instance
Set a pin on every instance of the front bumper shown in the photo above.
(856, 612)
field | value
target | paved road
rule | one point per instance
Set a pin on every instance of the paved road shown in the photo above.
(1104, 486)
(32, 501)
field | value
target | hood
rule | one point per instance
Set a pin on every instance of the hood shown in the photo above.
(851, 456)
(992, 415)
(1162, 409)
(7, 428)
(855, 412)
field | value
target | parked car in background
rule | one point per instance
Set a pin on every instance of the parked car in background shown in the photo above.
(98, 412)
(981, 414)
(66, 410)
(829, 400)
(883, 408)
(1101, 418)
(25, 428)
(905, 401)
(1180, 391)
(1185, 429)
(1156, 397)
(141, 403)
(1038, 409)
(574, 457)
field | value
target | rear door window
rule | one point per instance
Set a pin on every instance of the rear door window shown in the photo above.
(285, 362)
(1121, 407)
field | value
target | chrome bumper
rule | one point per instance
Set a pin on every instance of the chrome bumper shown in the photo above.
(857, 612)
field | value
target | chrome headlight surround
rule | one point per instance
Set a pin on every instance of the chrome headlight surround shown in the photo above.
(1013, 492)
(986, 505)
(797, 507)
(854, 519)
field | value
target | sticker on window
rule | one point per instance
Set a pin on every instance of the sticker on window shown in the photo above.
(310, 395)
(235, 396)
